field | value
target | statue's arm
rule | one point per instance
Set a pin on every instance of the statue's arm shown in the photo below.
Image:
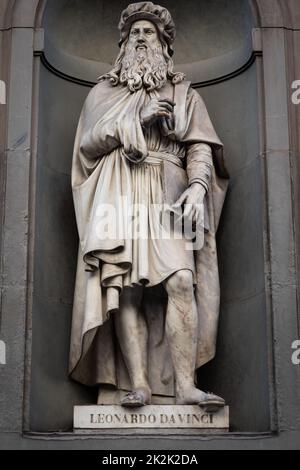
(95, 143)
(97, 134)
(199, 164)
(200, 140)
(199, 170)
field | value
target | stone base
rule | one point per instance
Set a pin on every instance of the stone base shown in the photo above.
(149, 417)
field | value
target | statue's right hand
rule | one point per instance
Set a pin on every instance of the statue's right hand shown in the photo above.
(156, 109)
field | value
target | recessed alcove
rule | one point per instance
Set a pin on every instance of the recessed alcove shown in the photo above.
(214, 42)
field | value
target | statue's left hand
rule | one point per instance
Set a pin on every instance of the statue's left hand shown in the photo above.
(191, 199)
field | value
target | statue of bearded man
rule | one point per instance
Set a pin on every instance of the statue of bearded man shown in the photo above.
(145, 308)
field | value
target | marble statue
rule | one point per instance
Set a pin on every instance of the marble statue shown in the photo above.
(146, 308)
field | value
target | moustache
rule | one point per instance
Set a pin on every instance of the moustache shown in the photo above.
(141, 46)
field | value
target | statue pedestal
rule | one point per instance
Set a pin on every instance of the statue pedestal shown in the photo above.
(150, 417)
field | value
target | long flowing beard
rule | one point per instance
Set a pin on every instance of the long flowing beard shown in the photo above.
(144, 68)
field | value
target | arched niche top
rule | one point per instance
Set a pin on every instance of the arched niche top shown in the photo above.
(205, 28)
(221, 58)
(267, 13)
(213, 36)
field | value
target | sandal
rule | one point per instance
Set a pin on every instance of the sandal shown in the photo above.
(135, 398)
(212, 403)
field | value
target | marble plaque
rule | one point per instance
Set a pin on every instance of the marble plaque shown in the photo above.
(151, 416)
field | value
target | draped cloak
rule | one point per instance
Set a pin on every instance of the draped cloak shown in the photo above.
(110, 138)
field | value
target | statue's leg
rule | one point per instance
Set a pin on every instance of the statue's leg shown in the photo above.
(132, 334)
(182, 333)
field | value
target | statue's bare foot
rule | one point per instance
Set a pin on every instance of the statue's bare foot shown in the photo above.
(139, 397)
(193, 396)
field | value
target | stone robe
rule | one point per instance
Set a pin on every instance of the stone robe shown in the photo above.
(109, 161)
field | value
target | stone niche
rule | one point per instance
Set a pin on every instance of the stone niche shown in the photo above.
(214, 40)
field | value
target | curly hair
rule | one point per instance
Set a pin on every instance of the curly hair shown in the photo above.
(114, 76)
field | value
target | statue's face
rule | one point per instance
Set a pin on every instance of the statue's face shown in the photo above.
(143, 60)
(143, 34)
